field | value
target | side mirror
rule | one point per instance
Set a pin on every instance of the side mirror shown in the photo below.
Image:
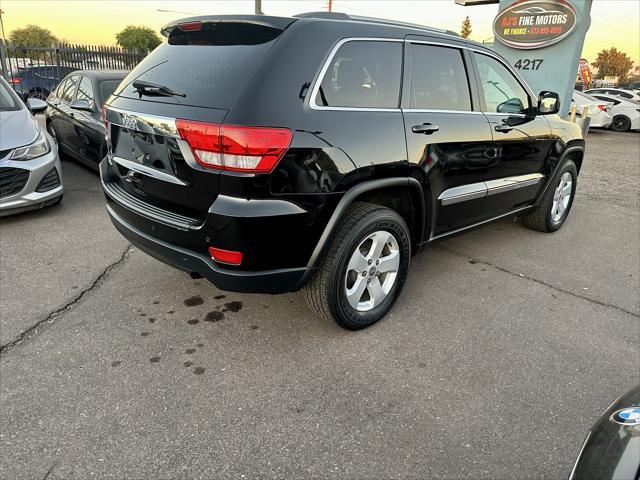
(36, 105)
(81, 104)
(548, 103)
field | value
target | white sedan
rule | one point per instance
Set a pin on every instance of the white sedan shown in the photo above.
(626, 114)
(626, 93)
(598, 111)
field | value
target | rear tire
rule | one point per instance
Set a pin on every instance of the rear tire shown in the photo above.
(621, 123)
(364, 268)
(556, 203)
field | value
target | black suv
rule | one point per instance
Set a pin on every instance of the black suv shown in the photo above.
(269, 154)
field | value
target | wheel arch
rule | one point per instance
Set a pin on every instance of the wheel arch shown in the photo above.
(574, 151)
(403, 195)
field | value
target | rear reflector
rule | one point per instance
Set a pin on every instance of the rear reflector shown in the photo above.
(235, 148)
(225, 256)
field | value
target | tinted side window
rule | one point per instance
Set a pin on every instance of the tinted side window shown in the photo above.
(363, 74)
(85, 91)
(69, 89)
(502, 92)
(607, 99)
(438, 79)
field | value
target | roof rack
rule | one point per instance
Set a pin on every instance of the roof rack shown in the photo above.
(383, 21)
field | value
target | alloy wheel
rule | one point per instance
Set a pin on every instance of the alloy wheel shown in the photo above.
(562, 197)
(621, 123)
(372, 271)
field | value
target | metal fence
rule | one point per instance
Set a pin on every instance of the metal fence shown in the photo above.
(36, 71)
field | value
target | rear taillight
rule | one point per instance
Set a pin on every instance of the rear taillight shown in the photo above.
(225, 256)
(16, 80)
(235, 148)
(602, 107)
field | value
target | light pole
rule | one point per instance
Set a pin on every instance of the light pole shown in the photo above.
(3, 49)
(4, 40)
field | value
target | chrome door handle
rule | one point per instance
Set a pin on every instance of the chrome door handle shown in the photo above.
(425, 128)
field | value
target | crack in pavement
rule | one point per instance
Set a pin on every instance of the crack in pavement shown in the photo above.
(541, 282)
(29, 332)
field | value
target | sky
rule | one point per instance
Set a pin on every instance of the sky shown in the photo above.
(95, 22)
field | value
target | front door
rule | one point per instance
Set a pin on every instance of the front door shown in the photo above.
(522, 140)
(449, 141)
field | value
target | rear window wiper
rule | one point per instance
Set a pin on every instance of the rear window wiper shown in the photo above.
(151, 89)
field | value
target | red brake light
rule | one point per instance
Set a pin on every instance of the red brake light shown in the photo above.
(16, 80)
(235, 148)
(602, 107)
(225, 256)
(190, 26)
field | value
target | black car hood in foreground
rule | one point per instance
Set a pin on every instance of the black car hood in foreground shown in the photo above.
(612, 447)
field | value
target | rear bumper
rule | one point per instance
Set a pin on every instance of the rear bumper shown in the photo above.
(600, 120)
(265, 281)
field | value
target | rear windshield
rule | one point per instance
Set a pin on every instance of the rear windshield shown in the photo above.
(107, 88)
(208, 68)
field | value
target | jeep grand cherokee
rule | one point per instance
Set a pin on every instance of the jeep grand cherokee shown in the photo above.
(269, 154)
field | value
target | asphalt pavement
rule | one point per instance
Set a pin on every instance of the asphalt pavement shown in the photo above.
(504, 347)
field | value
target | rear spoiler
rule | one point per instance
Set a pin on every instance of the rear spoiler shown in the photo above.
(184, 24)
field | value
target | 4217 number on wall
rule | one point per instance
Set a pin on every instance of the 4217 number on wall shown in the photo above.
(528, 63)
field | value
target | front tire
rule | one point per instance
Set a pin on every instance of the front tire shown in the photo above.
(556, 203)
(364, 269)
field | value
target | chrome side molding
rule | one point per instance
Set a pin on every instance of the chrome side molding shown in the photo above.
(463, 193)
(473, 191)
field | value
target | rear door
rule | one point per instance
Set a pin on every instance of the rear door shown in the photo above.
(88, 128)
(62, 118)
(206, 67)
(448, 138)
(516, 177)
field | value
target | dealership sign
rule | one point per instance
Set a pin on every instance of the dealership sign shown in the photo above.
(528, 24)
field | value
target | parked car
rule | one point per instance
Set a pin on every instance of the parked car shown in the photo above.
(30, 173)
(626, 93)
(611, 450)
(626, 114)
(37, 81)
(269, 154)
(599, 111)
(74, 116)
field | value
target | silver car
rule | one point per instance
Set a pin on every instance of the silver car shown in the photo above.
(30, 172)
